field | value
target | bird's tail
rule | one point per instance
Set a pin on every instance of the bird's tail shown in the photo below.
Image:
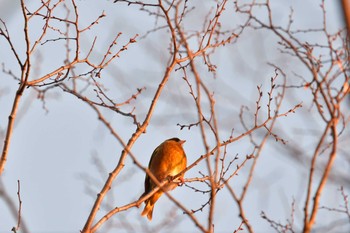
(148, 210)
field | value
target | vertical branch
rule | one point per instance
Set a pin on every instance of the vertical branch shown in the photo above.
(310, 221)
(9, 131)
(16, 211)
(212, 122)
(25, 71)
(311, 175)
(15, 229)
(346, 12)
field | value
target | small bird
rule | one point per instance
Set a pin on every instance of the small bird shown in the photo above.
(167, 160)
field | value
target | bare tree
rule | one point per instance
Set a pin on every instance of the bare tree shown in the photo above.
(232, 134)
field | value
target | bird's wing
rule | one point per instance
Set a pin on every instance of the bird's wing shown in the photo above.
(148, 184)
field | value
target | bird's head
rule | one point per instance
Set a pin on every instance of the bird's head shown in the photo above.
(177, 140)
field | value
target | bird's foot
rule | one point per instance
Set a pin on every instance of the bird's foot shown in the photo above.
(181, 181)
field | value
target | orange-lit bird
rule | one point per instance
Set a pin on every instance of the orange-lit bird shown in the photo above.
(167, 160)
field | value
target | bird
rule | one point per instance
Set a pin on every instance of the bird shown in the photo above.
(167, 160)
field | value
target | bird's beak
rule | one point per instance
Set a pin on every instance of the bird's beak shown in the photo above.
(182, 141)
